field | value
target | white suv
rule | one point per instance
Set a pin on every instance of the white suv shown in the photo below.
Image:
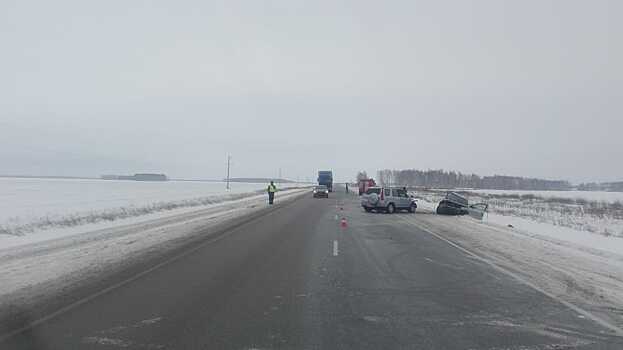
(388, 199)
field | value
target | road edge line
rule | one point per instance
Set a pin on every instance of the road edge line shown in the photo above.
(617, 330)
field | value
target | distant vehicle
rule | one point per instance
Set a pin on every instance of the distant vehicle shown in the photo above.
(364, 184)
(388, 199)
(321, 191)
(325, 177)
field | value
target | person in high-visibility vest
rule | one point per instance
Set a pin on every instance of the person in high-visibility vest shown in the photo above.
(271, 192)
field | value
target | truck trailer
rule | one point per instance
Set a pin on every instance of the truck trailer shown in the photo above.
(325, 177)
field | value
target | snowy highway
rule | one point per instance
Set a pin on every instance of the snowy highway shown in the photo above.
(297, 276)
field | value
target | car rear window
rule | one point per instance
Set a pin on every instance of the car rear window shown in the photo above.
(373, 190)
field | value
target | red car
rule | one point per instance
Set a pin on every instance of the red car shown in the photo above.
(364, 184)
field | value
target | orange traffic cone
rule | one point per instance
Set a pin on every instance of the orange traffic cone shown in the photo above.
(343, 223)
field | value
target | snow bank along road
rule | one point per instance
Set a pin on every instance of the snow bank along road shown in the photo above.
(292, 277)
(41, 267)
(50, 207)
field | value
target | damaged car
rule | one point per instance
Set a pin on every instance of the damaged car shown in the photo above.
(455, 204)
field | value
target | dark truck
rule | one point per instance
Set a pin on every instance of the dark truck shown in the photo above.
(326, 178)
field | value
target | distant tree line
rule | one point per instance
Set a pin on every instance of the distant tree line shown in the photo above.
(453, 179)
(604, 186)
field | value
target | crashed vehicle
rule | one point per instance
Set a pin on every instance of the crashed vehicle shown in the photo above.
(455, 204)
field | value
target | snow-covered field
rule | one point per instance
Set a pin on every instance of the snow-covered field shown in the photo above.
(32, 205)
(597, 196)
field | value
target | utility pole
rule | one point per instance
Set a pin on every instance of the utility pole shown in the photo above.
(228, 163)
(279, 174)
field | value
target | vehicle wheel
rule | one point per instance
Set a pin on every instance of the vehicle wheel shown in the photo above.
(412, 208)
(367, 210)
(391, 208)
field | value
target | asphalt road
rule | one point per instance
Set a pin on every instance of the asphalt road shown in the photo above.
(294, 278)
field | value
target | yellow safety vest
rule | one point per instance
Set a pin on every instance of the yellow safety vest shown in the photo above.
(272, 188)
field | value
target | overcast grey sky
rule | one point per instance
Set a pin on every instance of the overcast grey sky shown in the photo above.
(529, 88)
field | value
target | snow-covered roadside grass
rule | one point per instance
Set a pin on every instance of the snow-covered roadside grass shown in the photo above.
(558, 209)
(612, 244)
(40, 268)
(113, 214)
(34, 205)
(544, 222)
